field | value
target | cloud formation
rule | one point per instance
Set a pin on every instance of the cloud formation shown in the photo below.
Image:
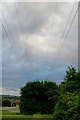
(33, 41)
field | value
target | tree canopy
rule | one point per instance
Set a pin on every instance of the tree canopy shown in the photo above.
(38, 97)
(68, 104)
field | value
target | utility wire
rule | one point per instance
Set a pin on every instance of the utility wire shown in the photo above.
(65, 28)
(20, 26)
(27, 47)
(10, 41)
(52, 26)
(67, 31)
(14, 48)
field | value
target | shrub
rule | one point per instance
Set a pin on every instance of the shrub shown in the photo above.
(6, 103)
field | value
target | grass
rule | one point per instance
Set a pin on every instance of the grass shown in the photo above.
(13, 116)
(6, 112)
(0, 112)
(26, 117)
(41, 116)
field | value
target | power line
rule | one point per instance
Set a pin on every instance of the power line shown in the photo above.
(53, 21)
(27, 47)
(68, 29)
(10, 41)
(53, 18)
(14, 48)
(66, 26)
(20, 26)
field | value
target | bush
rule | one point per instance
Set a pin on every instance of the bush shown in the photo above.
(6, 103)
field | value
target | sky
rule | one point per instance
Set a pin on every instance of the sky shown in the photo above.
(34, 42)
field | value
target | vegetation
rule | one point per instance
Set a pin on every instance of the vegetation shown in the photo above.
(47, 100)
(6, 112)
(46, 97)
(68, 105)
(38, 97)
(27, 117)
(6, 103)
(12, 115)
(8, 100)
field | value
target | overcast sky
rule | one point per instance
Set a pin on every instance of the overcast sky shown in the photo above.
(33, 47)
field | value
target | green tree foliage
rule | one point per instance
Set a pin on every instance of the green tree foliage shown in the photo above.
(6, 103)
(70, 74)
(68, 105)
(46, 97)
(38, 97)
(71, 81)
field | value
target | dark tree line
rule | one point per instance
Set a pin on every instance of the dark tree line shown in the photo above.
(62, 101)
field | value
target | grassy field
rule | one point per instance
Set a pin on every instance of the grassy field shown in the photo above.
(6, 112)
(6, 115)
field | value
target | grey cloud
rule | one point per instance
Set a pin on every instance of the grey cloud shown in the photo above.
(36, 43)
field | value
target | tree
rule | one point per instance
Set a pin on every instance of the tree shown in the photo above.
(68, 107)
(68, 104)
(71, 82)
(38, 97)
(70, 74)
(6, 103)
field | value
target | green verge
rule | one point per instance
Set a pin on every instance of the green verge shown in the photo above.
(17, 116)
(28, 116)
